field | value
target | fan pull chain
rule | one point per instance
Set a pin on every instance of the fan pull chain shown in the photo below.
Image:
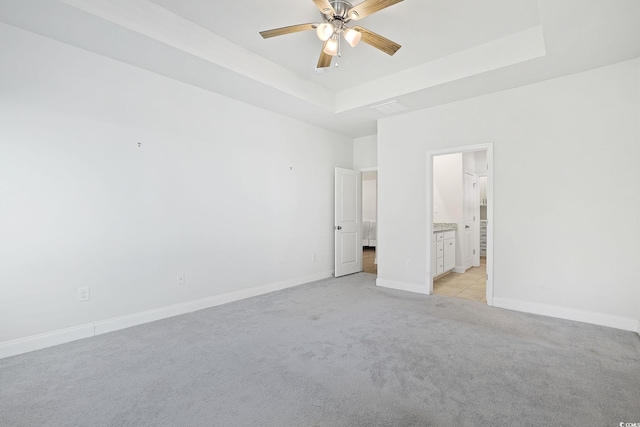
(339, 50)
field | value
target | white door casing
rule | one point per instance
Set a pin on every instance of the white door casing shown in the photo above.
(348, 222)
(488, 147)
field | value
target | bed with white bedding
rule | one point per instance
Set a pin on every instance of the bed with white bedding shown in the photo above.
(369, 233)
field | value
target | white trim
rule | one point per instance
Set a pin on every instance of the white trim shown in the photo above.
(117, 323)
(459, 270)
(371, 169)
(490, 204)
(401, 286)
(602, 319)
(61, 336)
(462, 149)
(48, 339)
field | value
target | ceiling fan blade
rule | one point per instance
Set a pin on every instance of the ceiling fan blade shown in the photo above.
(367, 7)
(325, 60)
(325, 7)
(286, 30)
(376, 40)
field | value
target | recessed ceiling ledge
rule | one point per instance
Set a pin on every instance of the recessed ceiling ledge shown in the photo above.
(513, 49)
(153, 21)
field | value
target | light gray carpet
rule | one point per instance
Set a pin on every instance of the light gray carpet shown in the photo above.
(338, 352)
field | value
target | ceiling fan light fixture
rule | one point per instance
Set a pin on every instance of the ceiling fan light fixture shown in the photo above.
(331, 46)
(325, 31)
(352, 37)
(333, 26)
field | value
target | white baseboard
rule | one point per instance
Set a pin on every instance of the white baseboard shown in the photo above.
(567, 313)
(49, 339)
(401, 286)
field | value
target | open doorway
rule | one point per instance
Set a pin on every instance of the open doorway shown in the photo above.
(460, 222)
(369, 221)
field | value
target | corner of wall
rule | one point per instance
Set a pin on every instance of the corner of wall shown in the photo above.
(402, 286)
(365, 152)
(638, 173)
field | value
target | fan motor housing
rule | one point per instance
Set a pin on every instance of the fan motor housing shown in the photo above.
(341, 7)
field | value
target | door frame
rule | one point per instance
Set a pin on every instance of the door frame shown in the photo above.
(374, 169)
(488, 146)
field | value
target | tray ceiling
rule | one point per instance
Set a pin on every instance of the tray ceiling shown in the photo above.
(451, 50)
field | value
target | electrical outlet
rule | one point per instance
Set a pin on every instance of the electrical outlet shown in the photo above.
(313, 257)
(408, 263)
(180, 278)
(84, 294)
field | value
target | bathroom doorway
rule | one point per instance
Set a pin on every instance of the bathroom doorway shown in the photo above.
(460, 222)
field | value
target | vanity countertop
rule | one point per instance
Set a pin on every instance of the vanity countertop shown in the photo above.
(444, 226)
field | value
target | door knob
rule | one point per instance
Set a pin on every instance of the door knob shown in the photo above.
(337, 227)
(466, 226)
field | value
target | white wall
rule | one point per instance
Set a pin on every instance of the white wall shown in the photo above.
(556, 145)
(469, 162)
(230, 195)
(365, 152)
(370, 196)
(448, 195)
(480, 158)
(448, 188)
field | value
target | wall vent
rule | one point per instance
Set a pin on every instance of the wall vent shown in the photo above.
(391, 107)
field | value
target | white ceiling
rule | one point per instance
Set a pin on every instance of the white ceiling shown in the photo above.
(451, 49)
(426, 29)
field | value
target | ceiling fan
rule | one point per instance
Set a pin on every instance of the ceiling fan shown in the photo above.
(336, 14)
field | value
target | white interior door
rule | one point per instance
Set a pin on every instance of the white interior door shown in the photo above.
(471, 245)
(348, 222)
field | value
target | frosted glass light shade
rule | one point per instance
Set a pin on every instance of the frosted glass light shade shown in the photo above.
(331, 47)
(352, 37)
(324, 31)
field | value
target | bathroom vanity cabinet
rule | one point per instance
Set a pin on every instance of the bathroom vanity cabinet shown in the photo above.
(443, 252)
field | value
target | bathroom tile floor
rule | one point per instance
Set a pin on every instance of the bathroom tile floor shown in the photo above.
(470, 285)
